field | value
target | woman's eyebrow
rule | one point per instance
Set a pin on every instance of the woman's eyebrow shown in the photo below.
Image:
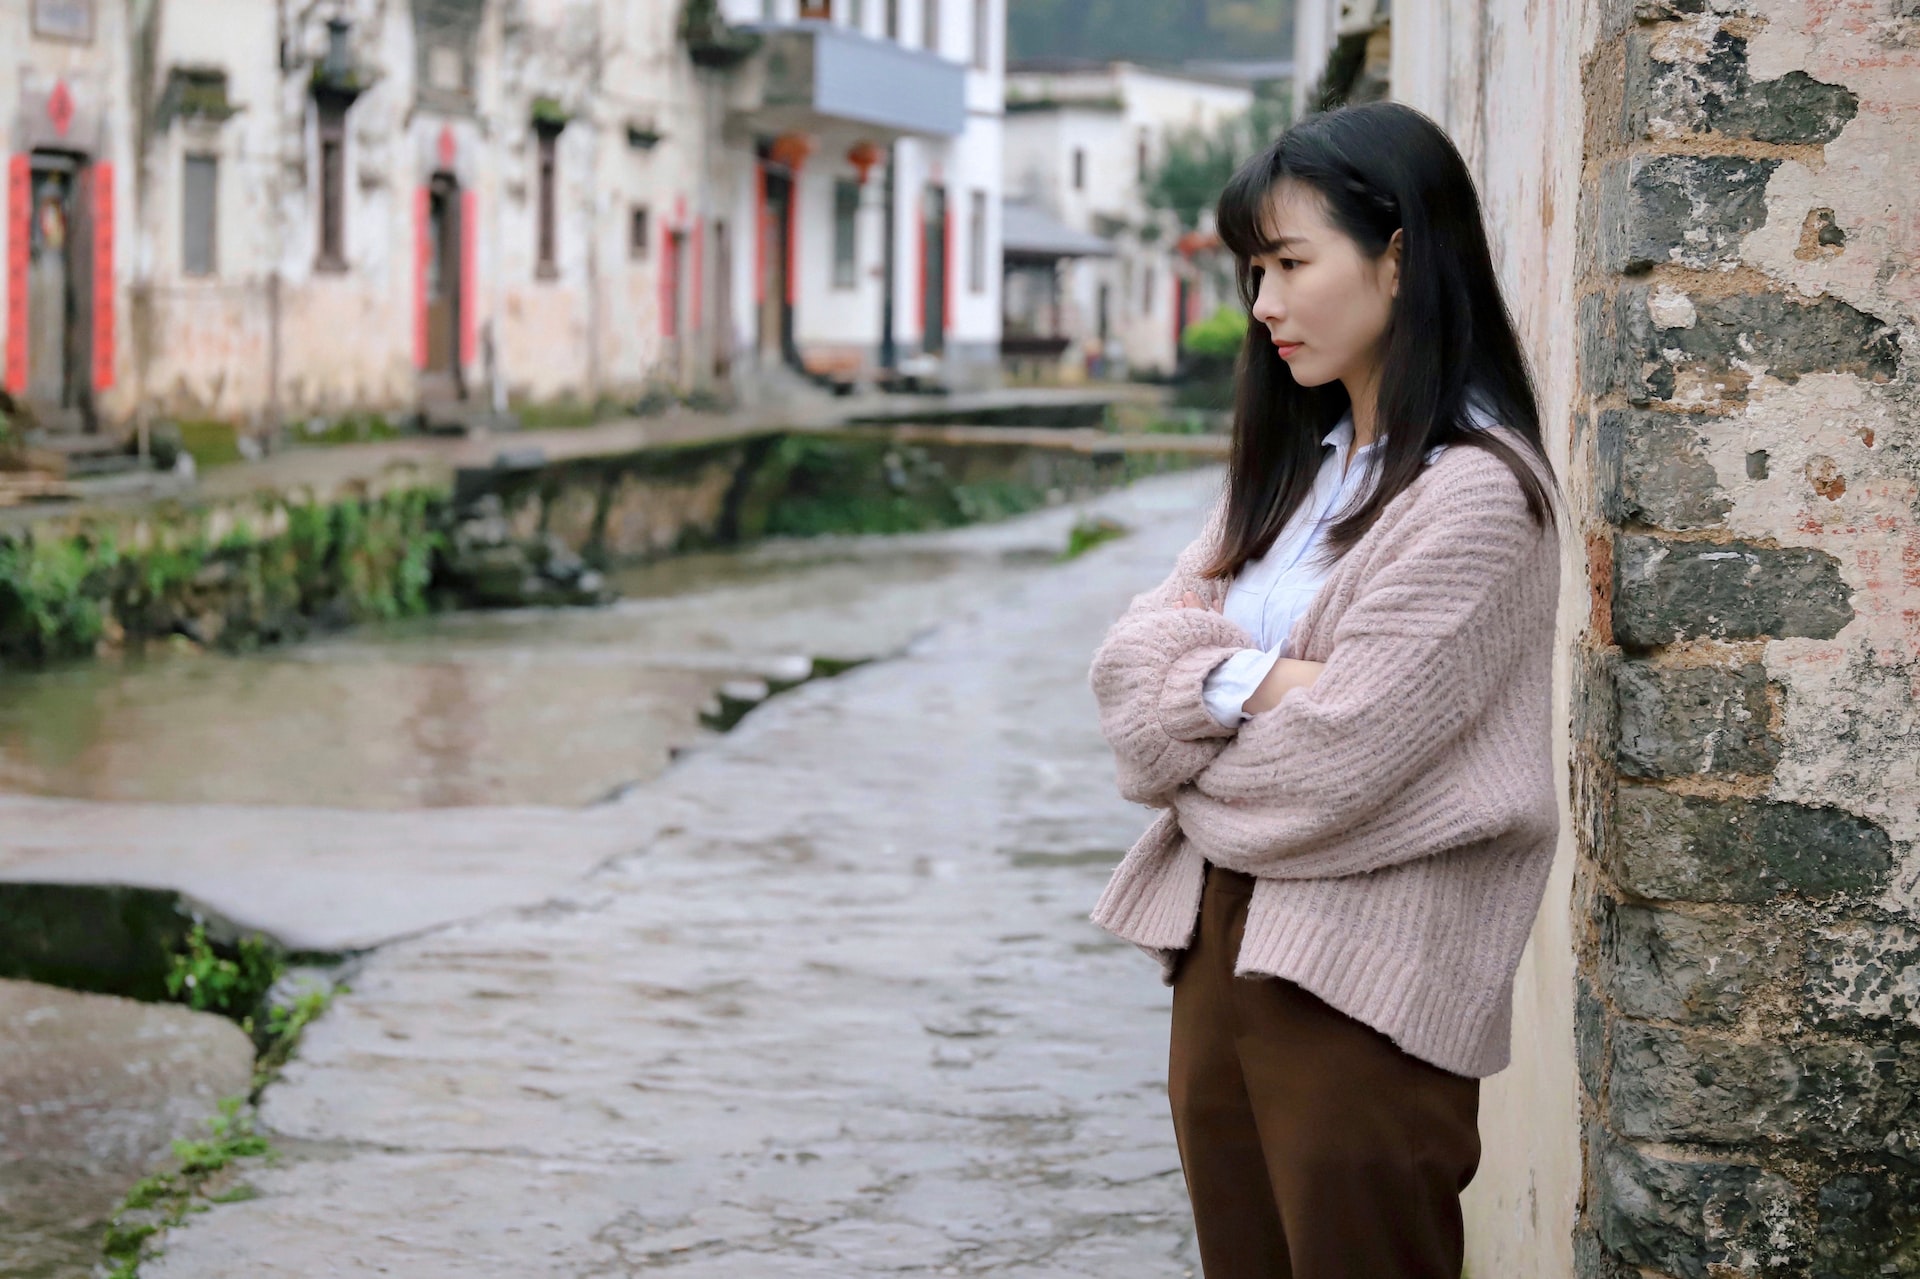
(1278, 243)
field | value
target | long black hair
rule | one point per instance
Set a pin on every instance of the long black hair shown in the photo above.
(1450, 340)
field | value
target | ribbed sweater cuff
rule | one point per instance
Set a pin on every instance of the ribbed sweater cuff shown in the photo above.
(1183, 703)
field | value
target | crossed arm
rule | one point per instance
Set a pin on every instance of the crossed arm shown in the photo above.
(1310, 786)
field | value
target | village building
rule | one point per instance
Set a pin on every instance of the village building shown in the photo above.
(270, 214)
(1082, 141)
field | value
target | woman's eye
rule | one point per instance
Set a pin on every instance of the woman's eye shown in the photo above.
(1287, 264)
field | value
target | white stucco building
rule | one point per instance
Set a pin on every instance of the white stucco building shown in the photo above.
(264, 212)
(1081, 140)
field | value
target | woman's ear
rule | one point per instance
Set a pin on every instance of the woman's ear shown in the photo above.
(1393, 262)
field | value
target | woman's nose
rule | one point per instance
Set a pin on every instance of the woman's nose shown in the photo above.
(1266, 304)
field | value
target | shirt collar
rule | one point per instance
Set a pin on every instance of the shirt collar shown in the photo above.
(1341, 436)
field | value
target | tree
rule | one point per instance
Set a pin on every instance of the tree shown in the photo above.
(1196, 163)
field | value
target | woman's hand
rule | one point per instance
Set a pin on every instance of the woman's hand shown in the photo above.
(1287, 674)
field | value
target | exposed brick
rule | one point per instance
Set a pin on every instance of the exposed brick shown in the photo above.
(1683, 848)
(1672, 342)
(1861, 971)
(1666, 1085)
(1682, 721)
(1685, 210)
(1680, 1218)
(1669, 591)
(1664, 966)
(1719, 95)
(1652, 471)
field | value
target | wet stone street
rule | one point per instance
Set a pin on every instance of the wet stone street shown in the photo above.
(837, 1011)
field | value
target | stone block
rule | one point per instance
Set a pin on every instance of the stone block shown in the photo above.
(1651, 470)
(1590, 1035)
(1681, 1218)
(1834, 1095)
(1591, 1260)
(1690, 349)
(1680, 210)
(573, 513)
(1864, 971)
(1666, 591)
(1684, 848)
(1601, 351)
(1869, 1224)
(1693, 720)
(1664, 966)
(1718, 94)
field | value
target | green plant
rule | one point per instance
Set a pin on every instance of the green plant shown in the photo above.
(163, 1200)
(51, 595)
(207, 981)
(1218, 336)
(211, 443)
(1196, 164)
(1089, 532)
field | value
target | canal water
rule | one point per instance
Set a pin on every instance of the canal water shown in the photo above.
(516, 708)
(525, 707)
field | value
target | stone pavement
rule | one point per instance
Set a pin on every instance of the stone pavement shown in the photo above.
(841, 1014)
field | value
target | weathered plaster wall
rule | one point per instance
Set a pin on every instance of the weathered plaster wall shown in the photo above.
(1749, 745)
(1503, 79)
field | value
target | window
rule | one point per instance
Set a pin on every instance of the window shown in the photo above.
(1143, 158)
(1146, 295)
(200, 181)
(977, 246)
(1079, 168)
(547, 232)
(64, 19)
(333, 186)
(816, 10)
(930, 26)
(893, 19)
(857, 14)
(846, 213)
(769, 10)
(982, 35)
(639, 234)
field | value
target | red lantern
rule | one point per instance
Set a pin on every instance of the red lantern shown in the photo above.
(863, 156)
(790, 150)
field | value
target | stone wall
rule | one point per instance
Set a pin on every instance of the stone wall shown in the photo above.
(272, 567)
(1747, 743)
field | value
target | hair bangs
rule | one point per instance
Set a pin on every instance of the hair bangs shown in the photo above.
(1244, 216)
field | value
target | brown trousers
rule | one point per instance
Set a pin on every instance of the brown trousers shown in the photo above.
(1313, 1146)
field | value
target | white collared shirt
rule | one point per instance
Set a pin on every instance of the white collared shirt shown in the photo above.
(1271, 593)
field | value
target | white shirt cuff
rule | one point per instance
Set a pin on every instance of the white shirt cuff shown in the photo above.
(1233, 681)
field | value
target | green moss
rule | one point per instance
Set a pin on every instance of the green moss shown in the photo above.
(552, 415)
(1089, 532)
(209, 442)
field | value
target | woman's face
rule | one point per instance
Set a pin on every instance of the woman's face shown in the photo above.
(1325, 303)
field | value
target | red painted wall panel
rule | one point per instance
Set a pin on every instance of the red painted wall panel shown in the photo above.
(103, 331)
(19, 240)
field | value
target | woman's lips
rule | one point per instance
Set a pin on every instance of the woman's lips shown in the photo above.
(1286, 349)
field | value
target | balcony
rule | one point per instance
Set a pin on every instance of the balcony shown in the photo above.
(810, 75)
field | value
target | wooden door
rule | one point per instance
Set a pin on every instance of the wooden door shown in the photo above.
(933, 291)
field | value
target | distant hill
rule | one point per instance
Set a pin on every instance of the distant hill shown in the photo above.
(1150, 30)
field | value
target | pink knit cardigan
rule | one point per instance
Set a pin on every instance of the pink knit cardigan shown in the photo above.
(1400, 814)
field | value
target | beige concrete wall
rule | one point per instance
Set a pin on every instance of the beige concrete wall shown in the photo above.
(1503, 78)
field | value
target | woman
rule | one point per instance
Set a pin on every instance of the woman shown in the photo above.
(1340, 699)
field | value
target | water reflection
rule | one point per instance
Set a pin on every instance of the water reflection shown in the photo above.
(496, 709)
